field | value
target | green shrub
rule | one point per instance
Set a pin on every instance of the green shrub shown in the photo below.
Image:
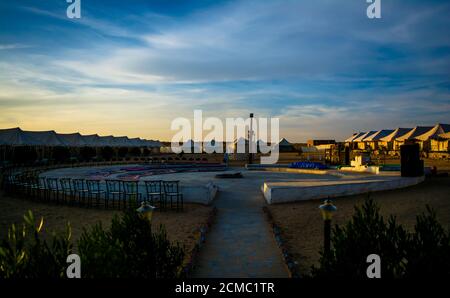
(24, 254)
(129, 249)
(425, 252)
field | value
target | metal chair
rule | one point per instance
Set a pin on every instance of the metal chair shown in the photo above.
(80, 190)
(34, 187)
(53, 189)
(114, 192)
(171, 191)
(131, 192)
(43, 189)
(94, 191)
(66, 189)
(155, 193)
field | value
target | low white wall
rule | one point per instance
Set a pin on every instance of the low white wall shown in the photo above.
(283, 192)
(199, 194)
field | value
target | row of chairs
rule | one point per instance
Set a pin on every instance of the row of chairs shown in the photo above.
(90, 192)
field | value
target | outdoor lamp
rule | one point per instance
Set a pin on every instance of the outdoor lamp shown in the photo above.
(146, 211)
(327, 209)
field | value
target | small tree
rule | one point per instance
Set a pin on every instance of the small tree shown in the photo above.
(129, 249)
(24, 254)
(422, 253)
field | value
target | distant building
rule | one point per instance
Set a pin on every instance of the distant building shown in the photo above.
(320, 142)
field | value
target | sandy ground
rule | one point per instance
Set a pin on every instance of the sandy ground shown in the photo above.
(302, 227)
(183, 227)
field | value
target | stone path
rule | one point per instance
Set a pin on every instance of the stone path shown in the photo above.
(240, 242)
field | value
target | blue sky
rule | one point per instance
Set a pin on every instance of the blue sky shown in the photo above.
(130, 67)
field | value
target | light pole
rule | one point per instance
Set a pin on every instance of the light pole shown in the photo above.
(146, 211)
(250, 139)
(327, 209)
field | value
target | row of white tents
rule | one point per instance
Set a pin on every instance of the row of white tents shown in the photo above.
(18, 137)
(419, 133)
(395, 137)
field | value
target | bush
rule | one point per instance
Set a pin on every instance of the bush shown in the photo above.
(425, 252)
(129, 249)
(24, 254)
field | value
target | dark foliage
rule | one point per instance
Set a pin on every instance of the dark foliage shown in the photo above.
(24, 254)
(87, 153)
(129, 249)
(425, 252)
(61, 154)
(107, 153)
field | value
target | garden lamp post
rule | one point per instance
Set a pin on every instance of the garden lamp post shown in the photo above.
(327, 209)
(146, 211)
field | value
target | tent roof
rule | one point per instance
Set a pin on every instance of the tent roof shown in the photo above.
(16, 137)
(395, 134)
(378, 135)
(284, 142)
(72, 139)
(10, 136)
(354, 136)
(415, 132)
(434, 133)
(362, 137)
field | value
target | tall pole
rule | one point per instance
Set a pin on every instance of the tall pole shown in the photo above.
(250, 138)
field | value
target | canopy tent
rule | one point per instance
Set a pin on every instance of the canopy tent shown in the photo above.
(12, 136)
(18, 137)
(413, 133)
(434, 133)
(354, 136)
(285, 146)
(92, 140)
(395, 134)
(378, 135)
(72, 139)
(362, 137)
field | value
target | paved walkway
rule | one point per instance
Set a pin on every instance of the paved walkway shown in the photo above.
(240, 242)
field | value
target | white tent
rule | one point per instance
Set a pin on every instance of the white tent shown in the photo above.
(434, 133)
(415, 132)
(362, 137)
(285, 146)
(92, 140)
(395, 134)
(11, 136)
(354, 136)
(72, 139)
(378, 135)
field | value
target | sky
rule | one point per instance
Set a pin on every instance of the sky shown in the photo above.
(131, 67)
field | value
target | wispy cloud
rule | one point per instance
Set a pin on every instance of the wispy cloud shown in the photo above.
(319, 65)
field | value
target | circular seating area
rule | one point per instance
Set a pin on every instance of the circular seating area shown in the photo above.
(107, 193)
